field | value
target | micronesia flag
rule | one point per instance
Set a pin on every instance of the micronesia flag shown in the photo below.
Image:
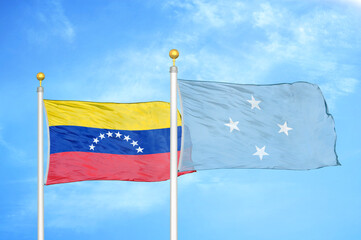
(108, 141)
(280, 126)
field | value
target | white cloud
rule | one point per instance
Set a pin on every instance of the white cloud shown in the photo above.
(134, 75)
(267, 16)
(131, 75)
(13, 151)
(210, 13)
(83, 205)
(217, 186)
(337, 88)
(348, 85)
(310, 42)
(313, 44)
(356, 3)
(52, 22)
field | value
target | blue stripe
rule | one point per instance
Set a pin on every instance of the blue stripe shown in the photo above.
(79, 139)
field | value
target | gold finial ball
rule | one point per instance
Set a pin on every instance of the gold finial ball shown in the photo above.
(173, 53)
(40, 76)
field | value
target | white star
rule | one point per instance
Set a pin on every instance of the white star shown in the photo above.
(254, 103)
(134, 143)
(117, 135)
(139, 149)
(284, 128)
(232, 125)
(126, 138)
(109, 134)
(91, 147)
(96, 140)
(260, 152)
(101, 136)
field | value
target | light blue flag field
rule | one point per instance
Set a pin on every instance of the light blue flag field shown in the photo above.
(280, 126)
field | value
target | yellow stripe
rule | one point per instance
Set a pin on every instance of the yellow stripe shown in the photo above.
(121, 116)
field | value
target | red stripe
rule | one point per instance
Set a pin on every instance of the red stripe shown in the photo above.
(82, 166)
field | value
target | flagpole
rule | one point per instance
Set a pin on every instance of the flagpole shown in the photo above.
(173, 148)
(40, 76)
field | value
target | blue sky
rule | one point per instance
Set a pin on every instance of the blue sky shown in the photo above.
(118, 51)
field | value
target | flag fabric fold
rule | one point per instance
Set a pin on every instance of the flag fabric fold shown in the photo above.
(280, 126)
(108, 141)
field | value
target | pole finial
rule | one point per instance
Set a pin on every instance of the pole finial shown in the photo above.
(173, 54)
(40, 76)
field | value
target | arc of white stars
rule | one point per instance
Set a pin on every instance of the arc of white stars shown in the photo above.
(232, 125)
(254, 103)
(139, 149)
(284, 128)
(117, 135)
(261, 152)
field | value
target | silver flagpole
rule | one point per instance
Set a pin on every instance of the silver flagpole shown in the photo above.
(40, 76)
(173, 148)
